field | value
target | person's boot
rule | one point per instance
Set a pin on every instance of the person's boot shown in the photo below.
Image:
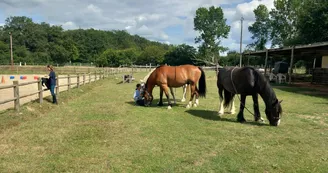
(54, 100)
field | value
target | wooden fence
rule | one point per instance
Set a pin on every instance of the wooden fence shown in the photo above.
(81, 80)
(320, 76)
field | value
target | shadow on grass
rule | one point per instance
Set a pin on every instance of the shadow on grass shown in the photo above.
(165, 104)
(212, 115)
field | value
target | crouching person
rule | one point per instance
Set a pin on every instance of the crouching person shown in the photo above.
(137, 96)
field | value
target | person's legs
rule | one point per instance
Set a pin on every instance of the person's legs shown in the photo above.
(140, 103)
(52, 91)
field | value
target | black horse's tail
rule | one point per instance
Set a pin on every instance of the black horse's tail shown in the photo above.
(202, 84)
(228, 97)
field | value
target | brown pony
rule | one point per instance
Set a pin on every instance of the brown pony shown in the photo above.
(175, 76)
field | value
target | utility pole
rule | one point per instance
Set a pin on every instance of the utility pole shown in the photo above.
(241, 38)
(11, 51)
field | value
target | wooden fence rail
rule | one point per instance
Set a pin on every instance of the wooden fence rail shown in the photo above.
(92, 78)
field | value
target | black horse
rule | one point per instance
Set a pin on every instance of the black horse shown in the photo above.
(248, 81)
(46, 82)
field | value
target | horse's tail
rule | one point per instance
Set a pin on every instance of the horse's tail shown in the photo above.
(202, 84)
(228, 97)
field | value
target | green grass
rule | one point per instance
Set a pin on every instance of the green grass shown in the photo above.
(98, 129)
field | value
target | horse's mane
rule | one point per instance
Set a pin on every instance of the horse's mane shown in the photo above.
(147, 76)
(265, 87)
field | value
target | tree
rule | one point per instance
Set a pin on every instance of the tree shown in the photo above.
(283, 22)
(152, 54)
(313, 22)
(212, 27)
(182, 54)
(261, 28)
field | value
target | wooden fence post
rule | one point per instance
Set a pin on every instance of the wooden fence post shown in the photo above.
(83, 78)
(57, 85)
(40, 91)
(78, 80)
(68, 82)
(16, 95)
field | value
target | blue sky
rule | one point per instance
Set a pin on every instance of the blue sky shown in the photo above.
(159, 20)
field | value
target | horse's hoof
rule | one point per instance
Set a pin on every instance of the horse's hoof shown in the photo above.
(183, 100)
(188, 106)
(242, 120)
(232, 112)
(261, 120)
(169, 107)
(220, 113)
(195, 105)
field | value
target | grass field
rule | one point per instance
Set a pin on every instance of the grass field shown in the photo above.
(97, 128)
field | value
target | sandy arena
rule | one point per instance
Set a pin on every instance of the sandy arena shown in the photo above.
(27, 89)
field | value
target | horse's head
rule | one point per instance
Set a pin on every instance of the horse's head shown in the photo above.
(148, 98)
(274, 112)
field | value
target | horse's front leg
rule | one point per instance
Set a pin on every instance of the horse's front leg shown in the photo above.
(257, 114)
(240, 116)
(192, 93)
(184, 87)
(160, 103)
(171, 89)
(166, 90)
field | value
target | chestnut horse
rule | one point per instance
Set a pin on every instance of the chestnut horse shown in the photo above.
(175, 76)
(184, 87)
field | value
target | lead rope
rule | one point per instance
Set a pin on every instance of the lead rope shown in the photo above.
(236, 92)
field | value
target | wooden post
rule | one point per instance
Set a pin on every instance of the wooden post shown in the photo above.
(68, 82)
(57, 85)
(83, 78)
(78, 80)
(291, 66)
(40, 91)
(266, 61)
(16, 95)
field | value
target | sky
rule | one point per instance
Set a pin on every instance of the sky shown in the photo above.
(166, 21)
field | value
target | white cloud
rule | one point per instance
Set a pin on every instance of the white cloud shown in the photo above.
(146, 18)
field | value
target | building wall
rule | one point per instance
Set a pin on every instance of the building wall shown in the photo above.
(324, 63)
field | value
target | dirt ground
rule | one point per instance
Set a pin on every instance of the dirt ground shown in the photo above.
(27, 89)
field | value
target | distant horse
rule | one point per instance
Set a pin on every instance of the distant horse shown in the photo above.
(184, 87)
(45, 82)
(175, 76)
(248, 81)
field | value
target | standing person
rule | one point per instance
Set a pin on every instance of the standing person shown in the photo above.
(137, 96)
(52, 82)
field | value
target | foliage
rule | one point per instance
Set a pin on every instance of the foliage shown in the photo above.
(260, 29)
(182, 54)
(42, 43)
(212, 27)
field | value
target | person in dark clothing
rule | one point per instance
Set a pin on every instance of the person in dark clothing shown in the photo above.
(52, 81)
